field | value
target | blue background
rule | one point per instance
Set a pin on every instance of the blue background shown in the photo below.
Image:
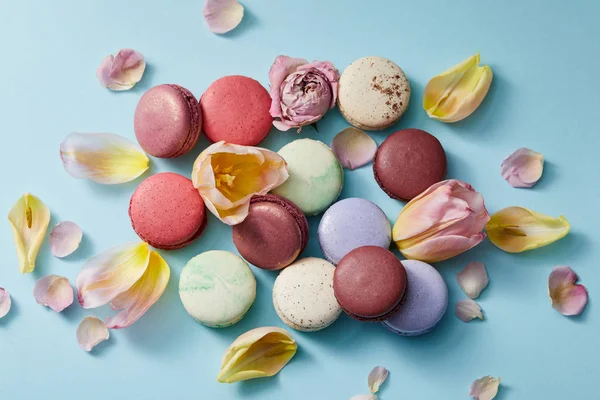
(544, 55)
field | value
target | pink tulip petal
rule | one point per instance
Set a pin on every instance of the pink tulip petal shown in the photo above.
(442, 247)
(65, 238)
(473, 279)
(122, 71)
(90, 332)
(523, 168)
(5, 302)
(354, 148)
(376, 378)
(467, 309)
(567, 297)
(221, 16)
(53, 291)
(485, 388)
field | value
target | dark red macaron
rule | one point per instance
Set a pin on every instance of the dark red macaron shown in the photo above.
(273, 234)
(370, 283)
(167, 211)
(408, 162)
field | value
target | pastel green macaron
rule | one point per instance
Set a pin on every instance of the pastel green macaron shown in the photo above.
(217, 288)
(316, 176)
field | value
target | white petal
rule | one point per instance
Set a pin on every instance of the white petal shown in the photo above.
(221, 16)
(90, 332)
(65, 238)
(468, 309)
(485, 388)
(53, 291)
(376, 378)
(5, 302)
(354, 148)
(370, 396)
(473, 279)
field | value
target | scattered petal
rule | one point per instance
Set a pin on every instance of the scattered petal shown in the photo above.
(354, 148)
(29, 219)
(485, 388)
(221, 16)
(523, 168)
(567, 297)
(473, 279)
(517, 229)
(65, 238)
(90, 332)
(376, 378)
(258, 353)
(53, 291)
(5, 302)
(370, 396)
(467, 309)
(122, 71)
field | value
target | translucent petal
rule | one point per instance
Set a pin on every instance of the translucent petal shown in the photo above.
(473, 279)
(5, 302)
(221, 16)
(122, 71)
(376, 378)
(485, 388)
(65, 238)
(523, 168)
(90, 332)
(53, 291)
(468, 309)
(567, 297)
(354, 148)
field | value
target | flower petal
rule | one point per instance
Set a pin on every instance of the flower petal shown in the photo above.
(29, 219)
(53, 291)
(5, 302)
(122, 71)
(376, 378)
(517, 229)
(467, 309)
(567, 297)
(65, 238)
(141, 296)
(221, 16)
(90, 332)
(354, 148)
(104, 158)
(473, 279)
(485, 388)
(523, 168)
(370, 396)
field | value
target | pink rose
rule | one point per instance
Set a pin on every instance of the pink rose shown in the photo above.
(301, 93)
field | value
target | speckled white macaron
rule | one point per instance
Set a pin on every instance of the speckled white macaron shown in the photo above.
(373, 93)
(303, 295)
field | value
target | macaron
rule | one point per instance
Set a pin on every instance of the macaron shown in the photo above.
(408, 162)
(373, 93)
(425, 303)
(167, 121)
(273, 234)
(303, 295)
(316, 176)
(370, 283)
(167, 212)
(236, 109)
(350, 224)
(217, 288)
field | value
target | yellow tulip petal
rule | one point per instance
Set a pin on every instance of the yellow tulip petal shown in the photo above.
(517, 229)
(29, 219)
(456, 93)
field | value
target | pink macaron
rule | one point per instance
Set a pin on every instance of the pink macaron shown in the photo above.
(236, 109)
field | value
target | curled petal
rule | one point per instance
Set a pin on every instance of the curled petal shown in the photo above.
(567, 297)
(122, 71)
(258, 353)
(90, 332)
(104, 158)
(473, 279)
(53, 291)
(369, 396)
(354, 148)
(221, 16)
(523, 168)
(5, 302)
(485, 388)
(29, 219)
(467, 309)
(376, 378)
(65, 238)
(517, 229)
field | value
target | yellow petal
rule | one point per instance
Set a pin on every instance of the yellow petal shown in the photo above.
(29, 219)
(258, 353)
(456, 93)
(517, 229)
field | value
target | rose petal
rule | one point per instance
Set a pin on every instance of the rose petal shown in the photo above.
(5, 302)
(53, 291)
(221, 16)
(473, 279)
(485, 388)
(354, 148)
(122, 71)
(517, 229)
(467, 309)
(567, 297)
(370, 396)
(104, 158)
(65, 238)
(523, 168)
(376, 378)
(90, 332)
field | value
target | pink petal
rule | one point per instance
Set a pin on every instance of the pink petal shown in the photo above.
(467, 309)
(281, 68)
(53, 291)
(90, 332)
(122, 71)
(65, 238)
(523, 168)
(221, 16)
(473, 279)
(5, 302)
(354, 148)
(485, 388)
(567, 297)
(441, 248)
(376, 378)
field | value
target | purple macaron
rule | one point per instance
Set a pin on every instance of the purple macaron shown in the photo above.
(424, 304)
(350, 224)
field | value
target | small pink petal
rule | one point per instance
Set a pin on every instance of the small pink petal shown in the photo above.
(523, 168)
(221, 16)
(485, 388)
(53, 291)
(90, 332)
(65, 238)
(473, 279)
(122, 71)
(567, 297)
(354, 148)
(376, 378)
(370, 396)
(467, 309)
(5, 302)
